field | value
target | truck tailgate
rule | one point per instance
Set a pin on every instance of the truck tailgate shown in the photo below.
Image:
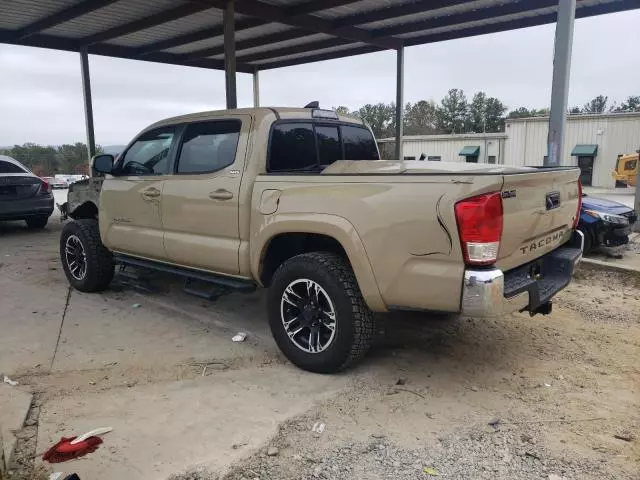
(539, 211)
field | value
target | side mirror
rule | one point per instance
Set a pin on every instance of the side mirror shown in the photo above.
(102, 163)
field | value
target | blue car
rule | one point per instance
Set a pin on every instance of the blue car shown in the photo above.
(605, 223)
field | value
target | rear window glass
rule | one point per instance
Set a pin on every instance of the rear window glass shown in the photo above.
(209, 146)
(293, 147)
(329, 148)
(6, 167)
(359, 144)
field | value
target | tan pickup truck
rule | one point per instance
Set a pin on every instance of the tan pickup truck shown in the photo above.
(297, 200)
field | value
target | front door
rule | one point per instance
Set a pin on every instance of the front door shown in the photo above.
(586, 170)
(200, 201)
(131, 199)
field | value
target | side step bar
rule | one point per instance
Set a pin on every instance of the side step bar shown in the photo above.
(230, 283)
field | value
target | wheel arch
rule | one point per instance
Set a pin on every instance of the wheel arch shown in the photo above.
(291, 235)
(87, 210)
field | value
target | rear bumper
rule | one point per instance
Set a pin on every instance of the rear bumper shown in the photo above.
(491, 292)
(29, 207)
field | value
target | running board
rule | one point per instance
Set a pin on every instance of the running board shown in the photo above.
(190, 275)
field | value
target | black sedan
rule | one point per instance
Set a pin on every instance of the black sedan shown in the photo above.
(23, 195)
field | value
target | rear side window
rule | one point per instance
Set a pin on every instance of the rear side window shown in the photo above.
(630, 164)
(149, 154)
(293, 147)
(358, 144)
(7, 167)
(209, 146)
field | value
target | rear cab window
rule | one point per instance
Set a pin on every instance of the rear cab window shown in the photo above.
(10, 167)
(308, 146)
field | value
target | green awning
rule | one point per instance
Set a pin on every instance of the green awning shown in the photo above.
(584, 151)
(470, 151)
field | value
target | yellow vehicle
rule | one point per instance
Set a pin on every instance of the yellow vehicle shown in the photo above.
(626, 170)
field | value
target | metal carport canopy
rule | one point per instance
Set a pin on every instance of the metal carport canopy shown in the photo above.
(254, 35)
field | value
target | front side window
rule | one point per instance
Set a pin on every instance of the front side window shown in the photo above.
(209, 146)
(359, 144)
(149, 154)
(293, 148)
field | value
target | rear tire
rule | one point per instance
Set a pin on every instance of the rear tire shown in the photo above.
(336, 289)
(87, 263)
(36, 223)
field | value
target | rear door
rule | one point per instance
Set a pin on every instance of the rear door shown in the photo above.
(130, 201)
(539, 210)
(200, 200)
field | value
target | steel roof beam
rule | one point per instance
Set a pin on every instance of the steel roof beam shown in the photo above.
(217, 31)
(581, 12)
(204, 34)
(144, 23)
(272, 13)
(464, 17)
(352, 20)
(62, 16)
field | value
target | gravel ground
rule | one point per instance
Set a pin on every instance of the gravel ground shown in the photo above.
(501, 452)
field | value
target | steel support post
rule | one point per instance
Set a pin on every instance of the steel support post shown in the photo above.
(256, 89)
(88, 106)
(230, 54)
(399, 100)
(560, 86)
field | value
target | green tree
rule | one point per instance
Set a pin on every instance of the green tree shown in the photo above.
(631, 104)
(421, 118)
(521, 112)
(341, 110)
(70, 156)
(597, 105)
(379, 117)
(476, 121)
(452, 113)
(575, 110)
(494, 115)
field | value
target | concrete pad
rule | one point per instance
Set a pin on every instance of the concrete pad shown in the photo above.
(166, 428)
(29, 324)
(106, 328)
(14, 407)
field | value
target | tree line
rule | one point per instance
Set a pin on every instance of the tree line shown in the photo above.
(46, 161)
(456, 114)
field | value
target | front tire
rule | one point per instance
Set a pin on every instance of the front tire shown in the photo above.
(87, 263)
(37, 223)
(588, 241)
(317, 314)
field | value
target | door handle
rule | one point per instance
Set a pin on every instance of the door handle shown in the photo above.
(221, 194)
(150, 193)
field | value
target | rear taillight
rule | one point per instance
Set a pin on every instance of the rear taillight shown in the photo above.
(45, 187)
(577, 219)
(480, 228)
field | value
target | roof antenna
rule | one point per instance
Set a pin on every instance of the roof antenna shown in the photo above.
(314, 104)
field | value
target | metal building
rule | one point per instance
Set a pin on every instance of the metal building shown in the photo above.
(591, 141)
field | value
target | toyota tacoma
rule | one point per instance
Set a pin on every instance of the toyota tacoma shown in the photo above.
(298, 201)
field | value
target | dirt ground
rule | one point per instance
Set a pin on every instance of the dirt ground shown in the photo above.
(517, 397)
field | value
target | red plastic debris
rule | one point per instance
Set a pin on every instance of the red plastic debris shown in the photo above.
(64, 451)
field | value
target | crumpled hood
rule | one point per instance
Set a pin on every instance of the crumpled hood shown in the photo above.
(604, 205)
(394, 167)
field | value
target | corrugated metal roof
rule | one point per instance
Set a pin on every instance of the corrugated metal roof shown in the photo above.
(197, 21)
(110, 16)
(272, 33)
(314, 52)
(15, 15)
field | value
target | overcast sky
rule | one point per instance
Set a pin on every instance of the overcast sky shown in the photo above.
(41, 96)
